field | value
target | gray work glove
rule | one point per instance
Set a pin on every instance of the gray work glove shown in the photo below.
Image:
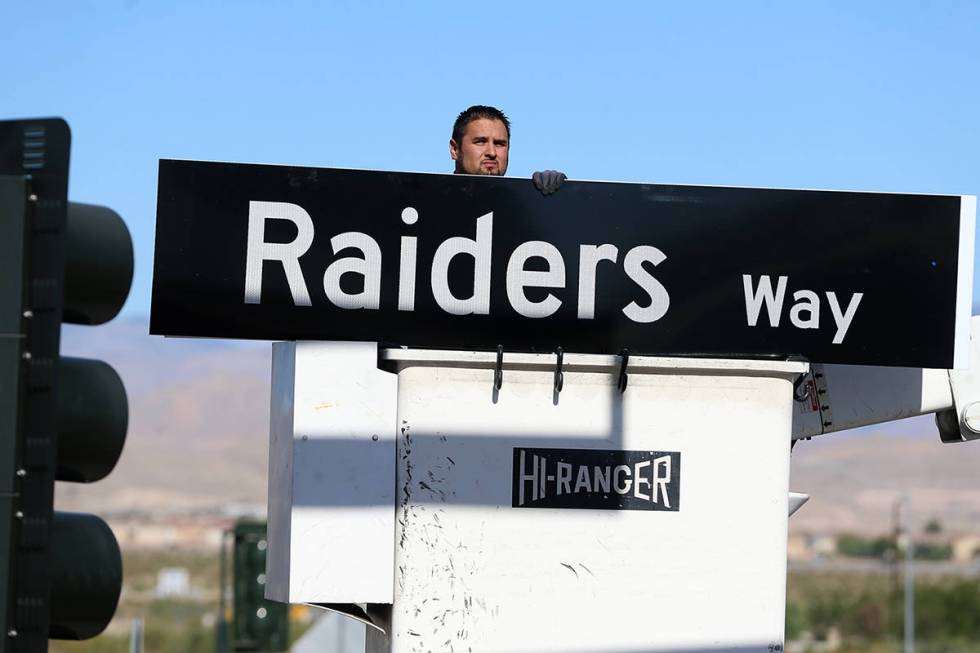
(548, 181)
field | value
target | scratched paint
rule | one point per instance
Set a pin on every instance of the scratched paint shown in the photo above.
(477, 575)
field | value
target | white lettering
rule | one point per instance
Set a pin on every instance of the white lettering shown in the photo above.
(601, 475)
(542, 478)
(257, 251)
(582, 482)
(564, 478)
(843, 321)
(479, 249)
(659, 299)
(368, 267)
(764, 295)
(660, 481)
(620, 472)
(406, 264)
(809, 301)
(525, 477)
(588, 260)
(518, 278)
(640, 480)
(406, 274)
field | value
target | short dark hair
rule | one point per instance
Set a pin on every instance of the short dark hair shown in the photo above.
(476, 112)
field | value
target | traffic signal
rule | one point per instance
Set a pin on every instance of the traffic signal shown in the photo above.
(60, 418)
(257, 624)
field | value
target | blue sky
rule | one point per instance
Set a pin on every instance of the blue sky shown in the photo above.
(839, 95)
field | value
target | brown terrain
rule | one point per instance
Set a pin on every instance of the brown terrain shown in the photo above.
(854, 479)
(198, 442)
(199, 419)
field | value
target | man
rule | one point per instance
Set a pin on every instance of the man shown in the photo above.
(481, 143)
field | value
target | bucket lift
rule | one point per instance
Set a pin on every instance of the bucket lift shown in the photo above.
(457, 495)
(394, 477)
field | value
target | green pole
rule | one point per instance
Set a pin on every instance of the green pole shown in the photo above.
(221, 625)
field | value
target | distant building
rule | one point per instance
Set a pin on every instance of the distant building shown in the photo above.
(807, 547)
(824, 546)
(246, 510)
(799, 547)
(966, 548)
(173, 582)
(170, 533)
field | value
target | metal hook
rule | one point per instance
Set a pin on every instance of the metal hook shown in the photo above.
(559, 375)
(799, 382)
(498, 370)
(623, 378)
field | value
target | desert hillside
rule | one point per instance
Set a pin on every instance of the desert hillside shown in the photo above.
(198, 441)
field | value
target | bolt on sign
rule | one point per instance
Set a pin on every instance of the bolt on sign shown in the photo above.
(464, 262)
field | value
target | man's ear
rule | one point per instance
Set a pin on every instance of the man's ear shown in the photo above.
(453, 149)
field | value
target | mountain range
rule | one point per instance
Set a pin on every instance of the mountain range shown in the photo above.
(198, 441)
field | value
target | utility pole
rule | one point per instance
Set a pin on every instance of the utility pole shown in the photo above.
(221, 625)
(895, 564)
(906, 530)
(136, 636)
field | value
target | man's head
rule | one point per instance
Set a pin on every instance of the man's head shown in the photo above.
(481, 141)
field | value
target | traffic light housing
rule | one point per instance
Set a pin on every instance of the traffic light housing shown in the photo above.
(60, 418)
(257, 624)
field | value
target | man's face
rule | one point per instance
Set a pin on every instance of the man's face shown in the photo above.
(483, 148)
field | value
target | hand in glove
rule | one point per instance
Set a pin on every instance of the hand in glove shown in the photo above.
(548, 181)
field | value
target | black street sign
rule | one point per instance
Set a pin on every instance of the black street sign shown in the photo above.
(462, 262)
